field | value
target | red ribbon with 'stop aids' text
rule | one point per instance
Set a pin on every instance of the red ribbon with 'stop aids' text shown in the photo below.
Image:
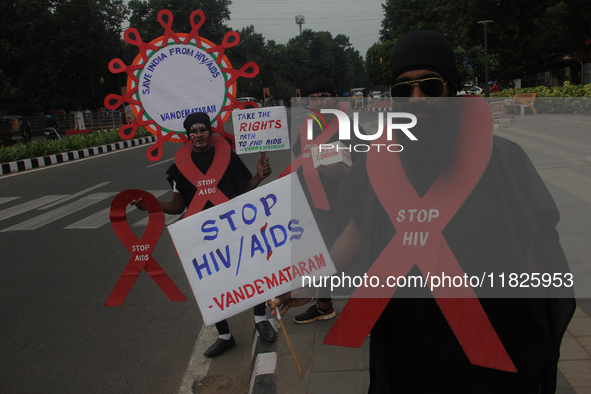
(140, 249)
(206, 184)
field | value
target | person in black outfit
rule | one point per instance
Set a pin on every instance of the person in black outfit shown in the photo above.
(236, 180)
(506, 224)
(321, 95)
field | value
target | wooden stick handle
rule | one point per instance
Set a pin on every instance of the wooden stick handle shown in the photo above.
(295, 358)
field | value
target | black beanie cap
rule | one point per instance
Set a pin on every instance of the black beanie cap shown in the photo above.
(426, 50)
(197, 117)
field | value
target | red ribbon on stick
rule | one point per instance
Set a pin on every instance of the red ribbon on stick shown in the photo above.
(207, 190)
(311, 175)
(140, 249)
(431, 252)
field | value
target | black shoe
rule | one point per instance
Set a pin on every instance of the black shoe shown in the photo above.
(265, 330)
(219, 347)
(315, 313)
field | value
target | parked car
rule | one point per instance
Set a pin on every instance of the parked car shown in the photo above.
(376, 95)
(470, 90)
(14, 129)
(245, 99)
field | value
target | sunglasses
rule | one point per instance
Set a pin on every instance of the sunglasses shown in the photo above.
(431, 87)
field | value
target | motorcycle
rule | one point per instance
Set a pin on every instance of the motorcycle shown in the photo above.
(52, 134)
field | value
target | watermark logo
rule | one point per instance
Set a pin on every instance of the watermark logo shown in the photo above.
(392, 123)
(316, 116)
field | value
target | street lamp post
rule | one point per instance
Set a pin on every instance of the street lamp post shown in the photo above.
(486, 88)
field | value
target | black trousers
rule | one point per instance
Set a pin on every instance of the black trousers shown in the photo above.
(223, 328)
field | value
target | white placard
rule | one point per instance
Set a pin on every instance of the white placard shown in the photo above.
(250, 249)
(260, 129)
(328, 155)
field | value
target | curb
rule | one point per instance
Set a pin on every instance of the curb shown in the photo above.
(28, 164)
(263, 364)
(378, 109)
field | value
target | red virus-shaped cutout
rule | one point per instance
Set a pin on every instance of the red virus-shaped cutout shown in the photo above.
(175, 75)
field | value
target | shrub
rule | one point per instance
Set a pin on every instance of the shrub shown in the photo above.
(66, 144)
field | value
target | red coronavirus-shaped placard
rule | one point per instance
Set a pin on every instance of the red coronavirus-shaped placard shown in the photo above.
(175, 75)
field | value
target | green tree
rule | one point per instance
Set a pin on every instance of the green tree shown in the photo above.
(377, 62)
(521, 37)
(56, 54)
(144, 17)
(251, 49)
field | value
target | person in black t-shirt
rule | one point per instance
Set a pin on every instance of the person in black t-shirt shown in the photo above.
(235, 180)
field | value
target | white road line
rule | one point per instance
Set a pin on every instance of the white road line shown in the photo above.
(8, 199)
(102, 217)
(73, 196)
(160, 162)
(61, 212)
(29, 206)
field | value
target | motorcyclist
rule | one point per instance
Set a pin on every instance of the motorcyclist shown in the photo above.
(51, 127)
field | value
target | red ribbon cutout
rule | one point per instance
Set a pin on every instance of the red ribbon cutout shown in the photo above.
(127, 131)
(218, 167)
(154, 153)
(243, 72)
(117, 66)
(165, 18)
(311, 175)
(140, 249)
(114, 101)
(195, 27)
(231, 39)
(464, 314)
(132, 36)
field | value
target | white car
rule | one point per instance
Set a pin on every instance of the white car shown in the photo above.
(376, 95)
(245, 99)
(470, 90)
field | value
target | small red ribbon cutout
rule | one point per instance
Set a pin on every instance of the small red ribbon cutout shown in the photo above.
(132, 36)
(249, 70)
(140, 249)
(463, 311)
(165, 18)
(311, 175)
(208, 190)
(231, 39)
(195, 26)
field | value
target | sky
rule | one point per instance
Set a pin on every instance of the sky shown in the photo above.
(275, 19)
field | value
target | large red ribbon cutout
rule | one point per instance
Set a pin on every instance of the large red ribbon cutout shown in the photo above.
(206, 184)
(311, 175)
(431, 254)
(140, 249)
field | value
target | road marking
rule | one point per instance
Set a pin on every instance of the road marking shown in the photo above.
(29, 206)
(102, 217)
(73, 196)
(59, 213)
(160, 162)
(8, 199)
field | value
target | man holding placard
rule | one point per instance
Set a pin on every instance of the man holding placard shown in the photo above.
(207, 172)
